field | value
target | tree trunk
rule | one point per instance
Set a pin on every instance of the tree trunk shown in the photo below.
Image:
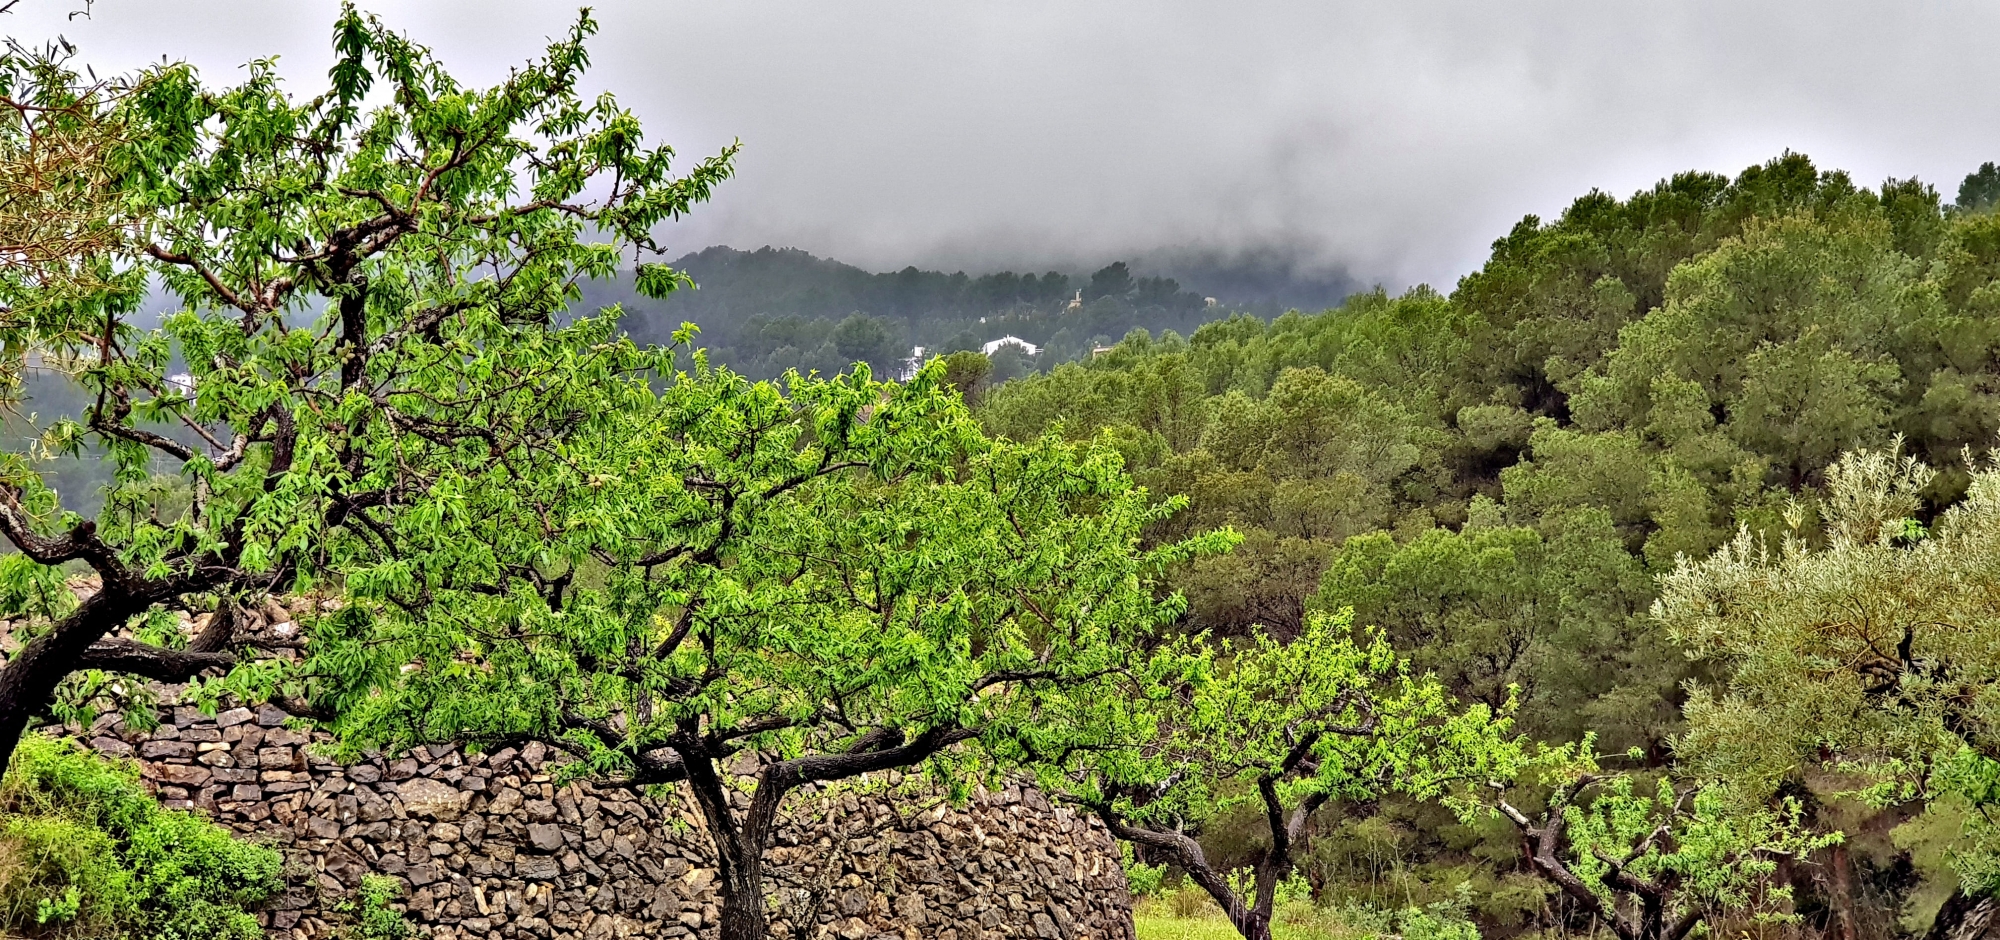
(1257, 918)
(738, 861)
(1248, 921)
(1841, 891)
(1255, 925)
(1965, 918)
(29, 680)
(1653, 917)
(743, 915)
(743, 904)
(739, 843)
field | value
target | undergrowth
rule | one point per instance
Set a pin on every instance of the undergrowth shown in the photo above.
(85, 851)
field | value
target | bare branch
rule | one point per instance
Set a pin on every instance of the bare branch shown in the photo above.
(214, 283)
(159, 442)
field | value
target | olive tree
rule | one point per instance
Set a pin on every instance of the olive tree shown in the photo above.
(1870, 646)
(372, 287)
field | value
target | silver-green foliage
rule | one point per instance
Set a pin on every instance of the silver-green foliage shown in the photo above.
(1871, 647)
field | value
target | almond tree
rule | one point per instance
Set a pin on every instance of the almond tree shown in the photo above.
(372, 285)
(749, 588)
(1291, 728)
(1655, 866)
(535, 528)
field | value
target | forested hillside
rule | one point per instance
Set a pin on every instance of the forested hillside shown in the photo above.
(769, 310)
(764, 312)
(1498, 475)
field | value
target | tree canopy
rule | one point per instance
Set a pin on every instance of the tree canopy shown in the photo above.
(839, 578)
(1330, 716)
(1500, 476)
(1863, 649)
(371, 316)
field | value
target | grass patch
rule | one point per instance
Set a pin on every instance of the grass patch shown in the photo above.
(1187, 914)
(1164, 926)
(1160, 920)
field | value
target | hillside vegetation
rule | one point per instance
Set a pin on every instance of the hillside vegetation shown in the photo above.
(85, 851)
(1646, 584)
(1499, 476)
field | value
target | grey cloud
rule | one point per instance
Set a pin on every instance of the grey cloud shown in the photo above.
(1393, 140)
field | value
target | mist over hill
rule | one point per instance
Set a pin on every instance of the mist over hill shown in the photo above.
(1267, 281)
(772, 309)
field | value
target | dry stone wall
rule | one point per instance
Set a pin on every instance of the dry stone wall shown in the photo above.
(486, 846)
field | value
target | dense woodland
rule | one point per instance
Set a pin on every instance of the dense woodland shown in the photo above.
(1645, 584)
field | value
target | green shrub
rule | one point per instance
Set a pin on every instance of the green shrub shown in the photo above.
(372, 917)
(85, 851)
(1436, 922)
(1144, 880)
(1442, 920)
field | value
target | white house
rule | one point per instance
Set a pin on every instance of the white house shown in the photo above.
(1027, 347)
(907, 369)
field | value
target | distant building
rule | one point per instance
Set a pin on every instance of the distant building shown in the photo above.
(1076, 303)
(907, 368)
(1027, 347)
(1212, 301)
(1096, 351)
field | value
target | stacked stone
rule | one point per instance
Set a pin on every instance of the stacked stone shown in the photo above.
(1007, 865)
(486, 846)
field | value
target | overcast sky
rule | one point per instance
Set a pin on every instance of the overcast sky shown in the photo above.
(1394, 139)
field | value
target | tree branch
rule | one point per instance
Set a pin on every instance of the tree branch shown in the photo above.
(214, 282)
(153, 662)
(881, 749)
(208, 650)
(720, 741)
(82, 541)
(1185, 851)
(1544, 844)
(1686, 925)
(159, 442)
